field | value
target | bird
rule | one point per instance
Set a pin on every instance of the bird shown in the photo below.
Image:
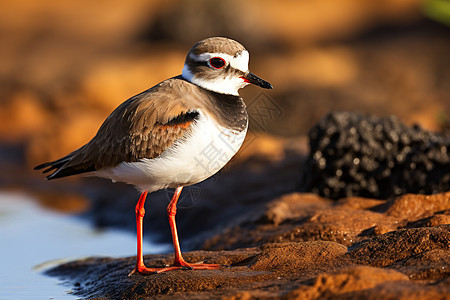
(177, 133)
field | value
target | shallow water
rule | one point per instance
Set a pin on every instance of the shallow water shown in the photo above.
(33, 239)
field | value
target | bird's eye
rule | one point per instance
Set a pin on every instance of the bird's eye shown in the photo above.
(217, 62)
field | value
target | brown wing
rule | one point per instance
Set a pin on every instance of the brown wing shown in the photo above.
(141, 127)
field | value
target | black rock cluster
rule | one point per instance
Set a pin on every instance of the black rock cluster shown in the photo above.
(357, 155)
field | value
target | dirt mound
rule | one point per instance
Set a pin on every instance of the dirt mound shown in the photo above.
(306, 217)
(303, 270)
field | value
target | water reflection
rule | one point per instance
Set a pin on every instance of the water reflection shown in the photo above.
(33, 239)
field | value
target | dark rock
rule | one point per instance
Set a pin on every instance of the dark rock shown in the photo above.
(357, 155)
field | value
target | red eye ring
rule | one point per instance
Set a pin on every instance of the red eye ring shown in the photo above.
(216, 62)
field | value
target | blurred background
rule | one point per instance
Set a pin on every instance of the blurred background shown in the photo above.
(65, 65)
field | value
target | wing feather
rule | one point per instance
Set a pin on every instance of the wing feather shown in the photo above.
(144, 126)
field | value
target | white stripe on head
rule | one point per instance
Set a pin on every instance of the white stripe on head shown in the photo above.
(239, 61)
(224, 85)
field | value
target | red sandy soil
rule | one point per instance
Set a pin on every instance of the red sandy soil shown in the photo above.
(309, 252)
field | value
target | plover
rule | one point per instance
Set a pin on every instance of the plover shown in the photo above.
(177, 133)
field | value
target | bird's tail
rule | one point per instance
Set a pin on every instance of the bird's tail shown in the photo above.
(62, 167)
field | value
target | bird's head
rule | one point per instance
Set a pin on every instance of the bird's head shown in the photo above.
(221, 65)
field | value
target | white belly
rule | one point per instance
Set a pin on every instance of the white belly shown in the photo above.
(191, 160)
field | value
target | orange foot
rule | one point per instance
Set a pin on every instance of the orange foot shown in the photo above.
(142, 269)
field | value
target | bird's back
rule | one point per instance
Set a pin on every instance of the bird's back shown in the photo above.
(146, 125)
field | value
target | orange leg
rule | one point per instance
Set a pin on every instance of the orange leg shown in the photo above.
(179, 262)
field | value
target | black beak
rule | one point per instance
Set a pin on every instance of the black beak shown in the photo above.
(252, 78)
